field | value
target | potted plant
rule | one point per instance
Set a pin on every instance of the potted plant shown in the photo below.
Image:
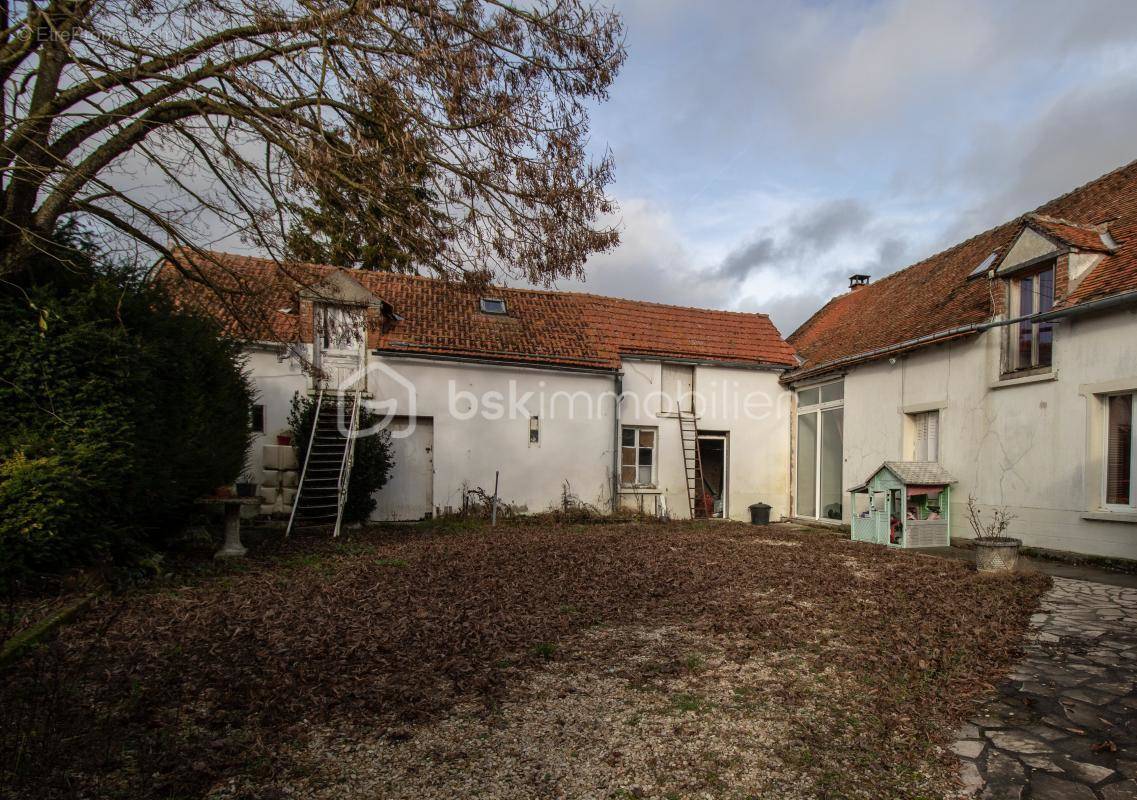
(994, 550)
(284, 438)
(246, 486)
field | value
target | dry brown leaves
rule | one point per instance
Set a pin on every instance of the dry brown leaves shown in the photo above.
(213, 679)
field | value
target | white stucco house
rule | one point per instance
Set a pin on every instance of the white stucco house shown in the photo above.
(671, 410)
(1006, 365)
(1010, 359)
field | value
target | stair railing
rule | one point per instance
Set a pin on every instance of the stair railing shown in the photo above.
(348, 461)
(307, 459)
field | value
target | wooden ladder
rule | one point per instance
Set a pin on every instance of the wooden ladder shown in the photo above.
(322, 491)
(692, 464)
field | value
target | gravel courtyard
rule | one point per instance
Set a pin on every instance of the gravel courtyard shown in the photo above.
(535, 659)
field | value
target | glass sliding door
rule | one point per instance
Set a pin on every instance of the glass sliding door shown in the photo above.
(832, 423)
(820, 451)
(807, 465)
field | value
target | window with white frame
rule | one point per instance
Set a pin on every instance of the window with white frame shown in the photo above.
(820, 435)
(637, 456)
(926, 436)
(1030, 344)
(1120, 452)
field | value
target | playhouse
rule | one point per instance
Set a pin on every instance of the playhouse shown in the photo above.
(903, 504)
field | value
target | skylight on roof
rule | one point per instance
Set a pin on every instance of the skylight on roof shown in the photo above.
(984, 265)
(492, 305)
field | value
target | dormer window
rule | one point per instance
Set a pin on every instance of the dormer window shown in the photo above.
(1030, 343)
(492, 305)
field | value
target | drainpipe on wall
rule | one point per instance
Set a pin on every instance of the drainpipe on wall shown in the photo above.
(619, 381)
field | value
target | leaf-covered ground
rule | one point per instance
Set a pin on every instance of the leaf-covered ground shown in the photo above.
(528, 660)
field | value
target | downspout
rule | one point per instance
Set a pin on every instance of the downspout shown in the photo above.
(618, 378)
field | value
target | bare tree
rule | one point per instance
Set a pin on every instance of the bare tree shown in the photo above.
(165, 120)
(994, 530)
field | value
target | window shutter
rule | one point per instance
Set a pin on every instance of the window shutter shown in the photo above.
(921, 450)
(933, 436)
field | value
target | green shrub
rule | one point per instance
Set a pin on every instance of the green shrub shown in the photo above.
(118, 412)
(370, 467)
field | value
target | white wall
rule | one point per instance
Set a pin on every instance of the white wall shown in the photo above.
(749, 405)
(1028, 445)
(576, 428)
(275, 380)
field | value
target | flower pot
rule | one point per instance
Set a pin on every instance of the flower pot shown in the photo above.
(246, 489)
(223, 491)
(284, 439)
(1000, 554)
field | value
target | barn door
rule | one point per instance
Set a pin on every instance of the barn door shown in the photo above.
(409, 491)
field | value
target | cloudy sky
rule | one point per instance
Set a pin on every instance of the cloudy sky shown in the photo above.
(766, 150)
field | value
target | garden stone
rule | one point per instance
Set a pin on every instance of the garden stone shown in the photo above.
(971, 779)
(1004, 770)
(1002, 793)
(1125, 790)
(1047, 787)
(1017, 742)
(968, 748)
(1087, 696)
(1088, 773)
(1041, 762)
(1081, 714)
(1073, 689)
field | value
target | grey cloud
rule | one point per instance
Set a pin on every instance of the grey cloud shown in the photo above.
(892, 254)
(811, 233)
(824, 226)
(744, 260)
(790, 311)
(1073, 140)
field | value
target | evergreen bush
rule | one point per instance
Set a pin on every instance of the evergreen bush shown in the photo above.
(119, 411)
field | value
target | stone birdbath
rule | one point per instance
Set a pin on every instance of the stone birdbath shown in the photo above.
(232, 506)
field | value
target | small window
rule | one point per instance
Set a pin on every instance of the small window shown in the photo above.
(833, 391)
(257, 418)
(1119, 451)
(1030, 344)
(493, 305)
(637, 457)
(824, 394)
(534, 430)
(926, 440)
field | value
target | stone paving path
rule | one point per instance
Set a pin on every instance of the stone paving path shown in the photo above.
(1065, 725)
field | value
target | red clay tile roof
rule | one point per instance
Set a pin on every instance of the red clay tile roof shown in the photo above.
(935, 296)
(1065, 232)
(444, 318)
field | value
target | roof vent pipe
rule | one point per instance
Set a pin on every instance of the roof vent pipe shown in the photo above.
(857, 281)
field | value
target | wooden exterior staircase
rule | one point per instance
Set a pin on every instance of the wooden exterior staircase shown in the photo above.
(324, 478)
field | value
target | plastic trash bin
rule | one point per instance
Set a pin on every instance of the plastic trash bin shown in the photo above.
(760, 514)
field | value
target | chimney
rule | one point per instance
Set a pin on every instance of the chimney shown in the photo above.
(857, 281)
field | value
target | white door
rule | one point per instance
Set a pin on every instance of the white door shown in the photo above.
(341, 338)
(409, 492)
